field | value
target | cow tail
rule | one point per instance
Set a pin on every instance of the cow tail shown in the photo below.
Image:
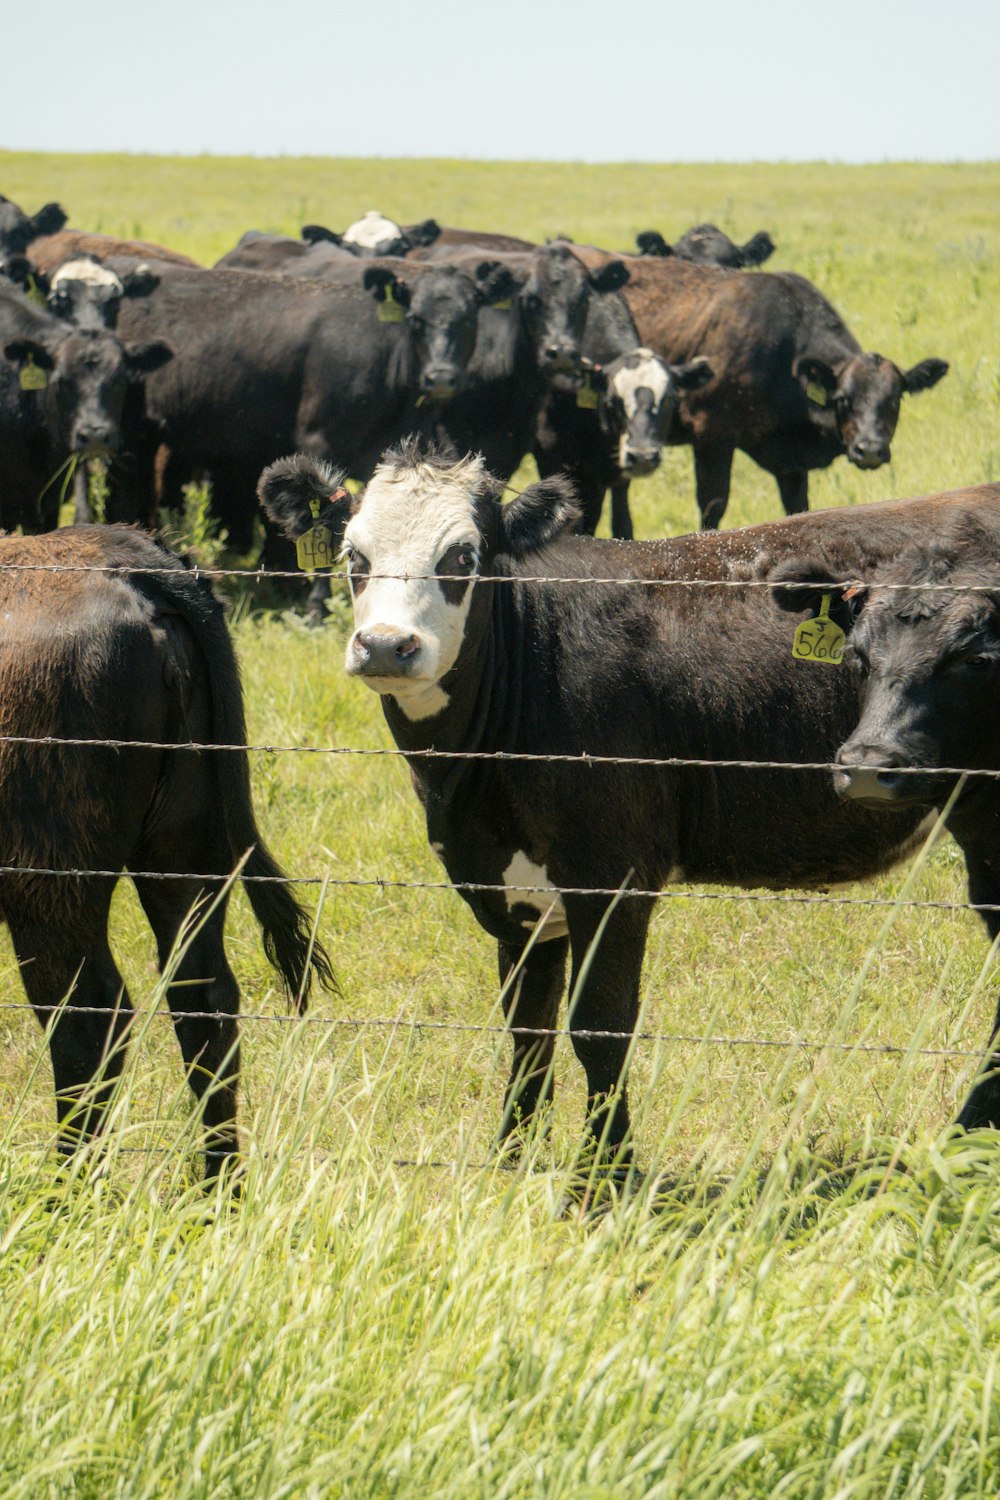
(289, 940)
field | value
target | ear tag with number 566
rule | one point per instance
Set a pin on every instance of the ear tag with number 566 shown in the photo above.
(586, 396)
(32, 376)
(819, 639)
(389, 310)
(314, 548)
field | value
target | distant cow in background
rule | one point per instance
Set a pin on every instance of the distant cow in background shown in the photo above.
(18, 230)
(50, 251)
(706, 245)
(144, 655)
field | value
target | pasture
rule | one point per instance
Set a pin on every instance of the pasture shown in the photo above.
(803, 1299)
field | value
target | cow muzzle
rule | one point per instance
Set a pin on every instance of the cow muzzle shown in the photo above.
(439, 382)
(639, 461)
(868, 453)
(383, 652)
(876, 773)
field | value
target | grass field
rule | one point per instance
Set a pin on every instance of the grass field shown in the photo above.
(776, 1312)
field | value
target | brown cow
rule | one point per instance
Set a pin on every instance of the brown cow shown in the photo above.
(50, 250)
(143, 655)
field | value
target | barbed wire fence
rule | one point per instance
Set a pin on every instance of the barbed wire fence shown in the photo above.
(400, 1024)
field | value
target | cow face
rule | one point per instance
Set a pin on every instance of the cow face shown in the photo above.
(864, 395)
(929, 666)
(89, 373)
(416, 541)
(17, 229)
(89, 294)
(441, 309)
(553, 303)
(639, 400)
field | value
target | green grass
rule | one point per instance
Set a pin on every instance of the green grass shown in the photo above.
(776, 1312)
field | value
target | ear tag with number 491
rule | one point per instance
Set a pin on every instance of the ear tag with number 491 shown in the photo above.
(586, 396)
(32, 376)
(314, 548)
(819, 639)
(389, 310)
(817, 393)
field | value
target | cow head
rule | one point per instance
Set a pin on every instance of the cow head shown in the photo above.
(553, 302)
(416, 541)
(88, 374)
(18, 229)
(639, 395)
(863, 394)
(440, 306)
(89, 294)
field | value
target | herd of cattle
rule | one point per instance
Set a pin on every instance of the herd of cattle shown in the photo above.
(569, 708)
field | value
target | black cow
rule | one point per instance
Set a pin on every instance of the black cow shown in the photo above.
(18, 229)
(706, 245)
(335, 365)
(617, 434)
(279, 253)
(144, 656)
(925, 652)
(615, 669)
(64, 392)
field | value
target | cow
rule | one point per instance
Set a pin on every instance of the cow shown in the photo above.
(129, 644)
(18, 230)
(491, 630)
(792, 386)
(48, 252)
(89, 294)
(374, 235)
(279, 253)
(924, 649)
(449, 239)
(264, 363)
(618, 433)
(707, 245)
(65, 392)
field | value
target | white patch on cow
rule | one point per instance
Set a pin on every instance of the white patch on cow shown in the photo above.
(407, 520)
(547, 901)
(372, 231)
(676, 875)
(647, 373)
(90, 272)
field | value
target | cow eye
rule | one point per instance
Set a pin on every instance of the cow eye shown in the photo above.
(461, 559)
(857, 658)
(358, 565)
(976, 661)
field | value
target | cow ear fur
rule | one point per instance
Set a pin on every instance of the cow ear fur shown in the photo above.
(314, 234)
(799, 584)
(651, 242)
(49, 219)
(610, 277)
(143, 359)
(540, 513)
(494, 283)
(288, 489)
(140, 282)
(927, 373)
(693, 375)
(377, 278)
(810, 371)
(20, 350)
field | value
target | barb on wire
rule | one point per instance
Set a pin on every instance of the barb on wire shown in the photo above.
(421, 1023)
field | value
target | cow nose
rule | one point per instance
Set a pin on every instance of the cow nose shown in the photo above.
(93, 435)
(868, 772)
(641, 460)
(559, 354)
(438, 378)
(868, 453)
(382, 652)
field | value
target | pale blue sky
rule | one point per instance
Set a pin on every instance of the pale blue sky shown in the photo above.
(853, 80)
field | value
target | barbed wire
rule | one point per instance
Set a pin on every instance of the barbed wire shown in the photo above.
(422, 1023)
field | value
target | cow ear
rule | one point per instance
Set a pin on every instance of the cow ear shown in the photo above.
(757, 250)
(48, 220)
(610, 277)
(816, 378)
(315, 233)
(140, 282)
(425, 233)
(494, 283)
(927, 373)
(693, 375)
(300, 492)
(378, 280)
(540, 513)
(651, 242)
(801, 584)
(20, 351)
(143, 359)
(23, 274)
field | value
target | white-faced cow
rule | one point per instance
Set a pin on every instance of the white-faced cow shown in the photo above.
(465, 629)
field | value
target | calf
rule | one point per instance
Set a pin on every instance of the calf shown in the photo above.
(707, 245)
(925, 654)
(139, 655)
(791, 385)
(473, 626)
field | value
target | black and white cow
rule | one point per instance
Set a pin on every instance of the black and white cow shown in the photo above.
(472, 625)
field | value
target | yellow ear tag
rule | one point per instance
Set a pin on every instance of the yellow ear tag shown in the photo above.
(504, 306)
(819, 639)
(314, 548)
(35, 293)
(586, 396)
(817, 393)
(389, 311)
(32, 376)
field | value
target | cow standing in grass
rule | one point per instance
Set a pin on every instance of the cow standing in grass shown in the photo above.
(472, 623)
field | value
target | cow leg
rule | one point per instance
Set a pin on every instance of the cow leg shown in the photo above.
(604, 996)
(204, 1001)
(793, 487)
(713, 468)
(86, 1040)
(981, 1109)
(81, 495)
(531, 1005)
(621, 516)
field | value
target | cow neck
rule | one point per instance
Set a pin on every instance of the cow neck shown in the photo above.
(484, 697)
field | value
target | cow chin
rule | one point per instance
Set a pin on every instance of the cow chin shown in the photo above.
(872, 787)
